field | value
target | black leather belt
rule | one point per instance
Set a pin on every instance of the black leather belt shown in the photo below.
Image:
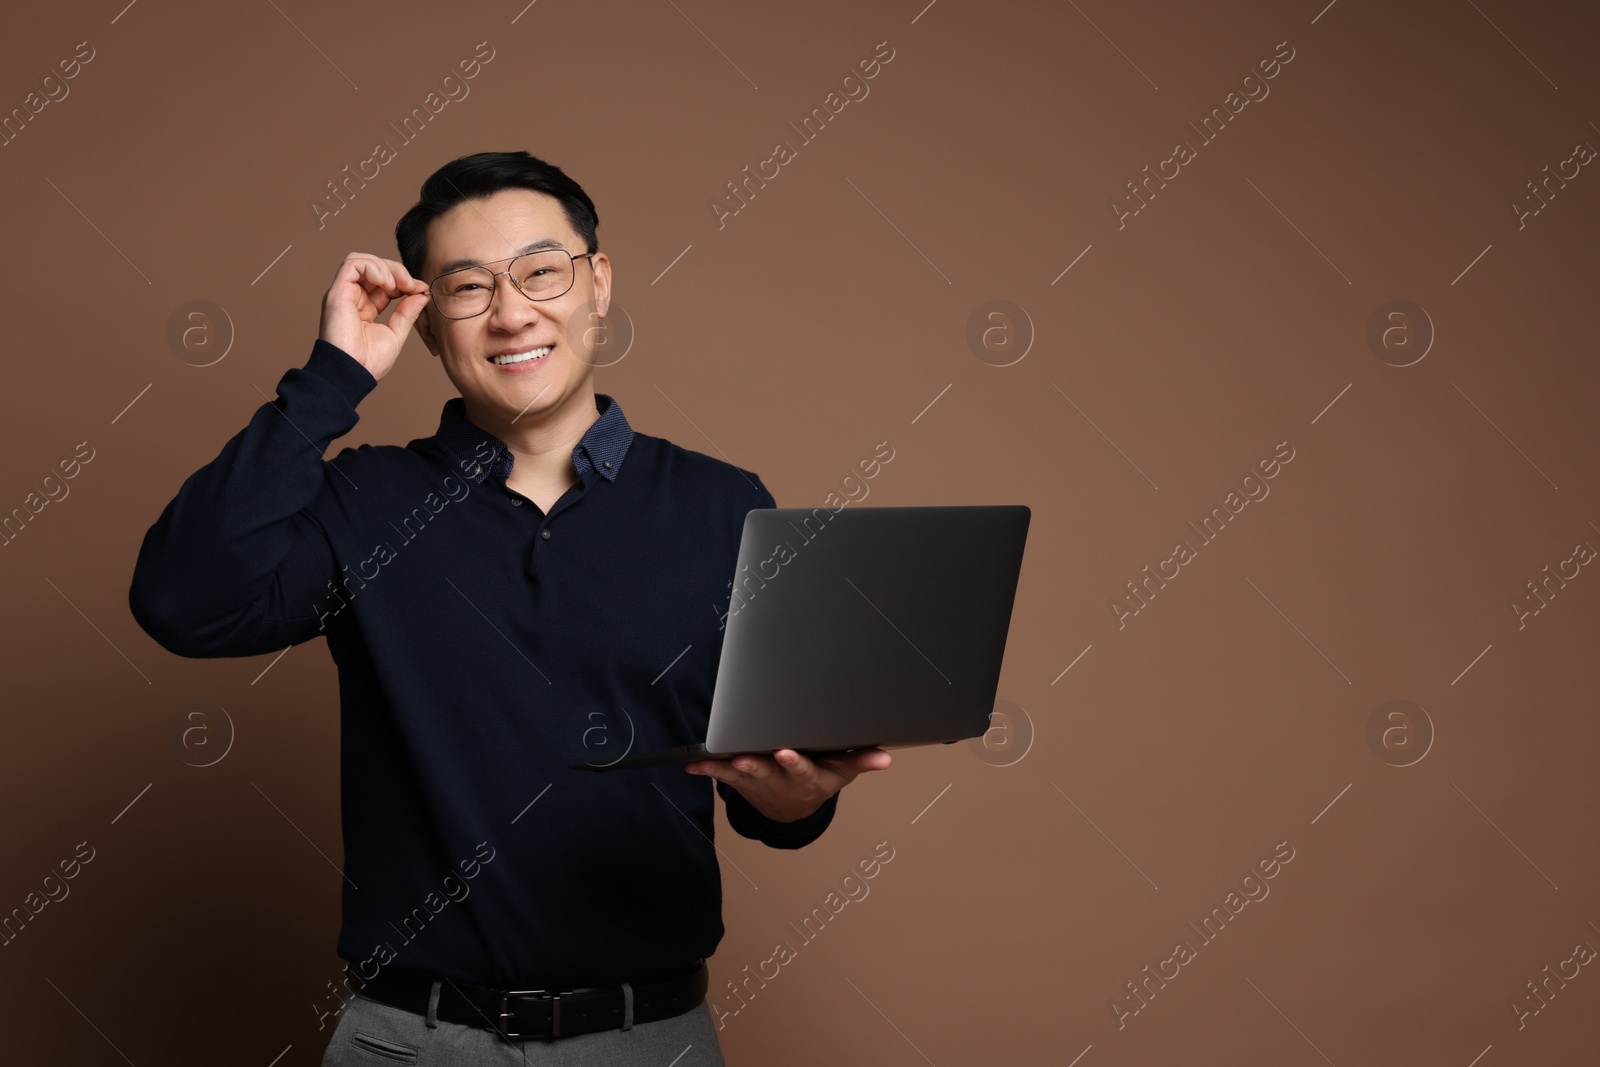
(525, 1013)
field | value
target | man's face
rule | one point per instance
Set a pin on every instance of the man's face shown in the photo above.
(491, 232)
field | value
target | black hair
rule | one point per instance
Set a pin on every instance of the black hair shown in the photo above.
(480, 176)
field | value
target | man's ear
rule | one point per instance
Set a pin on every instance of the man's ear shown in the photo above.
(602, 283)
(424, 328)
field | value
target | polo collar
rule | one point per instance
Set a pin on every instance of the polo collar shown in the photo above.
(476, 453)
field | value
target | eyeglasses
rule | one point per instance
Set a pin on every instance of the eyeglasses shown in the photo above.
(542, 275)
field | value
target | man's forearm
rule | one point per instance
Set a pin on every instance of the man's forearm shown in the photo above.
(224, 547)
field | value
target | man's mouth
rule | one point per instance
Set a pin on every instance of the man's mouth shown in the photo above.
(520, 357)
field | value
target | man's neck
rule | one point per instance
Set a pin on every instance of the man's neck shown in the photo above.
(541, 445)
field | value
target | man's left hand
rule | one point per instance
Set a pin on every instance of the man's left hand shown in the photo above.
(788, 786)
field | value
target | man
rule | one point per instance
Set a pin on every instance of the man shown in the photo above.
(534, 586)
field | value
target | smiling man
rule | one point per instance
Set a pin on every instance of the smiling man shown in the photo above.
(528, 588)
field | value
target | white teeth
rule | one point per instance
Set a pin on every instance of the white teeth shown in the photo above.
(521, 357)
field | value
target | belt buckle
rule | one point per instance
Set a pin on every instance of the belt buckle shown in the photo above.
(503, 1023)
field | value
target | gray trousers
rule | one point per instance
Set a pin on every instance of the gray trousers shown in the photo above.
(370, 1033)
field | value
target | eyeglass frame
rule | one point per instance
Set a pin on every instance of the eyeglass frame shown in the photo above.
(494, 276)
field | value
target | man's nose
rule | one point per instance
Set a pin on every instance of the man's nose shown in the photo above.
(508, 307)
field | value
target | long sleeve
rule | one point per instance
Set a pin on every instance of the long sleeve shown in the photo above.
(237, 561)
(748, 822)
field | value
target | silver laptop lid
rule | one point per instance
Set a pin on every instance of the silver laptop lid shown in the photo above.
(880, 625)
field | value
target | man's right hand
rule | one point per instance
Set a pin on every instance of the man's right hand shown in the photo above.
(364, 286)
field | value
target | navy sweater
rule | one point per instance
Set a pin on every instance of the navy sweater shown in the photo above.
(483, 647)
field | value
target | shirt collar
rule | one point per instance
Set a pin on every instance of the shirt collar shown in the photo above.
(477, 453)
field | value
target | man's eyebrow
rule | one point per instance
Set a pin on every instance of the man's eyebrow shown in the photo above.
(532, 246)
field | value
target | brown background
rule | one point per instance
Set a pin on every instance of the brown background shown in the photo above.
(1230, 715)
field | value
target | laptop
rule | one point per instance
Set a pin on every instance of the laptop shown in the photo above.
(866, 627)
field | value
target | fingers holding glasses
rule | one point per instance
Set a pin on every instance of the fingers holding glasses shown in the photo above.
(382, 280)
(363, 288)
